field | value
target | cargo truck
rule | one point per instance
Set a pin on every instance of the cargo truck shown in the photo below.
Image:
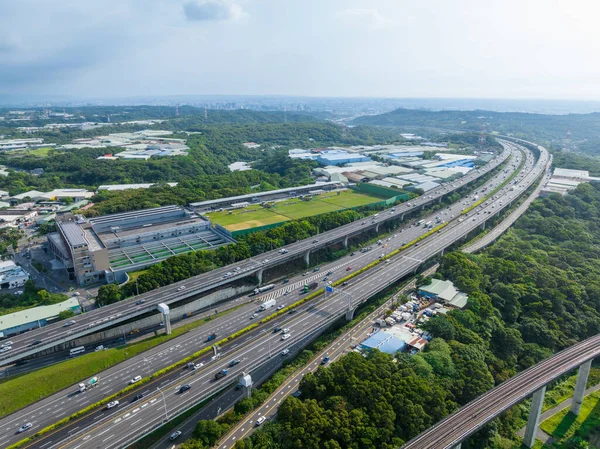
(268, 304)
(309, 287)
(91, 384)
(263, 289)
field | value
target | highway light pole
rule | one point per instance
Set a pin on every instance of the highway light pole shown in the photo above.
(165, 403)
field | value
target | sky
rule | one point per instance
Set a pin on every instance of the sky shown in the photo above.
(346, 48)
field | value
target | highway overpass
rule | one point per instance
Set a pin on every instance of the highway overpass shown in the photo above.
(114, 429)
(103, 318)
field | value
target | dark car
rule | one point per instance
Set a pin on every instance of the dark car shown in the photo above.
(325, 360)
(277, 329)
(185, 387)
(137, 397)
(285, 281)
(291, 312)
(234, 362)
(35, 343)
(141, 301)
(211, 337)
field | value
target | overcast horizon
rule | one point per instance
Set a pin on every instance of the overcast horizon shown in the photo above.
(339, 48)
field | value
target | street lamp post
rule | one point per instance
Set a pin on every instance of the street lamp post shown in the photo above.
(165, 403)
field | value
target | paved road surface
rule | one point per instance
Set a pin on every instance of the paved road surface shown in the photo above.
(124, 310)
(318, 316)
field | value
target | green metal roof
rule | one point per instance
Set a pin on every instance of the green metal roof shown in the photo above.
(15, 319)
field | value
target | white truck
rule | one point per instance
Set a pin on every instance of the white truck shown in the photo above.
(268, 304)
(91, 384)
(263, 289)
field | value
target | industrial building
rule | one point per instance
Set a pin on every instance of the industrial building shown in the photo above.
(564, 179)
(444, 292)
(104, 248)
(118, 187)
(259, 197)
(56, 194)
(24, 320)
(340, 157)
(12, 275)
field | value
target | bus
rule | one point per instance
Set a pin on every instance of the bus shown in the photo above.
(420, 222)
(75, 351)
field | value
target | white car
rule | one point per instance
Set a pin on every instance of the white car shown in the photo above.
(280, 307)
(25, 427)
(261, 420)
(182, 288)
(198, 365)
(286, 351)
(285, 330)
(285, 336)
(135, 379)
(112, 404)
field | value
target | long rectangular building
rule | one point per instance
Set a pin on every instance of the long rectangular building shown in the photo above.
(203, 206)
(102, 249)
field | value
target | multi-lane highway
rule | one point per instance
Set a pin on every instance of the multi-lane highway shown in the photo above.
(116, 428)
(49, 336)
(342, 344)
(65, 403)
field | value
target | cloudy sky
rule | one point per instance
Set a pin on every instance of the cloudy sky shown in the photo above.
(384, 48)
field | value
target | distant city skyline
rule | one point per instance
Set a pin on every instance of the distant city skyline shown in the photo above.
(85, 49)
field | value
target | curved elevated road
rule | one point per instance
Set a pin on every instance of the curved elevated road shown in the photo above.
(459, 425)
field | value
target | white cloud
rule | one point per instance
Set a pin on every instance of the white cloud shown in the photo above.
(371, 18)
(208, 10)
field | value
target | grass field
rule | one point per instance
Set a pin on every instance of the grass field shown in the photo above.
(38, 152)
(565, 425)
(291, 209)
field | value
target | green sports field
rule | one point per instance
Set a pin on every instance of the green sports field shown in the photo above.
(291, 209)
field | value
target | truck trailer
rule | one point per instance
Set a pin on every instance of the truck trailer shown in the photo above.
(263, 289)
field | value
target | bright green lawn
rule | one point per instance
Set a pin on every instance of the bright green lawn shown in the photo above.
(564, 425)
(242, 219)
(292, 209)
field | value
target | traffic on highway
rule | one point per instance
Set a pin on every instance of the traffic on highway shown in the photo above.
(300, 326)
(49, 336)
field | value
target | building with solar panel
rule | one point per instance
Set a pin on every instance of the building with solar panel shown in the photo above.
(103, 249)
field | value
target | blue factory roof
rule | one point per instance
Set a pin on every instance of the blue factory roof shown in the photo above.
(384, 342)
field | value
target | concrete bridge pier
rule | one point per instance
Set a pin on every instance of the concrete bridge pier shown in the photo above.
(439, 201)
(346, 242)
(307, 258)
(457, 446)
(377, 227)
(259, 276)
(533, 421)
(350, 314)
(483, 226)
(402, 217)
(582, 377)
